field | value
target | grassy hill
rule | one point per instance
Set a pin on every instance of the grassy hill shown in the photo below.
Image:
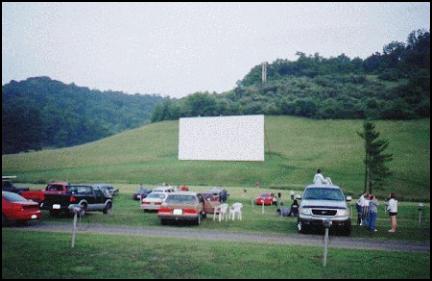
(295, 148)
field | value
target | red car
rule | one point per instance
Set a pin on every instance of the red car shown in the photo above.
(266, 197)
(16, 208)
(55, 188)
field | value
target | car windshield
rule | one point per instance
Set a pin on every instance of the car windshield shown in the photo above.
(156, 195)
(316, 193)
(54, 187)
(13, 197)
(181, 199)
(265, 195)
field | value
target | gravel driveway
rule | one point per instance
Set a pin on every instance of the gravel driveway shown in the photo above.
(194, 234)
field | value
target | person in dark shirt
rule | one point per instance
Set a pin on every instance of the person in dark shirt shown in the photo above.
(294, 208)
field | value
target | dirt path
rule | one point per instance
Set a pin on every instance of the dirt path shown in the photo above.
(197, 234)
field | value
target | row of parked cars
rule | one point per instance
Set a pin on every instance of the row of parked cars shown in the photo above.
(23, 204)
(180, 204)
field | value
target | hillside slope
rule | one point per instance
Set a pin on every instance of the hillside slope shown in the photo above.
(41, 112)
(295, 147)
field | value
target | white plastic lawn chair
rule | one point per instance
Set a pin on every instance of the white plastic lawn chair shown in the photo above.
(221, 211)
(236, 211)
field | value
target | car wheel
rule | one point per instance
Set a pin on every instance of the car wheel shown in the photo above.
(346, 231)
(163, 222)
(107, 209)
(301, 228)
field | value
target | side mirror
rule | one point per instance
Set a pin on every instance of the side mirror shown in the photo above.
(348, 198)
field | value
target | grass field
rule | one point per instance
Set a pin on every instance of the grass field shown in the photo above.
(295, 148)
(48, 255)
(127, 212)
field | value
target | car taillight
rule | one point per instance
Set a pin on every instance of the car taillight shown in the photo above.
(72, 199)
(165, 210)
(157, 203)
(145, 202)
(190, 211)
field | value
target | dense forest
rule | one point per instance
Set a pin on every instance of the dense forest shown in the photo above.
(393, 84)
(40, 112)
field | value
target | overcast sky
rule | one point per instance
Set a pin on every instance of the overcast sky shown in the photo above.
(178, 49)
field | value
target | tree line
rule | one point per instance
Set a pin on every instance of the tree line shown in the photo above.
(40, 112)
(393, 84)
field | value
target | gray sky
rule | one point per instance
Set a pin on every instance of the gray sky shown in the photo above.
(179, 48)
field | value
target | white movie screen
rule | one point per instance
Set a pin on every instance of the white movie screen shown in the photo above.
(228, 138)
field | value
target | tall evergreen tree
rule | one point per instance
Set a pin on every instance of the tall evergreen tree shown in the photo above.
(375, 160)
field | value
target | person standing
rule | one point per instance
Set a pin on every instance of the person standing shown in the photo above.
(392, 208)
(294, 208)
(359, 208)
(366, 210)
(363, 207)
(372, 213)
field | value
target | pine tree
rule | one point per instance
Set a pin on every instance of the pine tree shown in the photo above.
(375, 159)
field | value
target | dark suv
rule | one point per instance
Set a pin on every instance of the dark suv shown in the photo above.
(89, 197)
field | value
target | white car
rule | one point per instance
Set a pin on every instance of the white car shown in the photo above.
(153, 201)
(164, 189)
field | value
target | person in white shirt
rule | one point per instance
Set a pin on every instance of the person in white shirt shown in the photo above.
(360, 208)
(319, 178)
(366, 210)
(392, 208)
(363, 204)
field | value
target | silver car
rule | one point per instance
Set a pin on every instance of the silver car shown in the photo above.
(324, 202)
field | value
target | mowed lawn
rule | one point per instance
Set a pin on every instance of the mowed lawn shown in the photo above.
(295, 148)
(127, 212)
(48, 255)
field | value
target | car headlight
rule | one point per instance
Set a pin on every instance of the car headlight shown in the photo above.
(306, 212)
(342, 212)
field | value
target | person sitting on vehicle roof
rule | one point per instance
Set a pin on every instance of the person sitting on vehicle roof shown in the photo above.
(319, 178)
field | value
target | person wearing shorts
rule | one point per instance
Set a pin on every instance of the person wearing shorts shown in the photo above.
(392, 208)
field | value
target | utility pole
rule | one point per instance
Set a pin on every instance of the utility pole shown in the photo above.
(264, 72)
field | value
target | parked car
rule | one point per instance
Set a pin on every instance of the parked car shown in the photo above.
(166, 189)
(211, 201)
(153, 201)
(89, 197)
(182, 206)
(7, 185)
(324, 202)
(267, 198)
(16, 208)
(221, 192)
(35, 195)
(183, 188)
(141, 193)
(57, 187)
(109, 188)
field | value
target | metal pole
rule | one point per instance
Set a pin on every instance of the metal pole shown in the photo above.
(262, 210)
(74, 229)
(325, 246)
